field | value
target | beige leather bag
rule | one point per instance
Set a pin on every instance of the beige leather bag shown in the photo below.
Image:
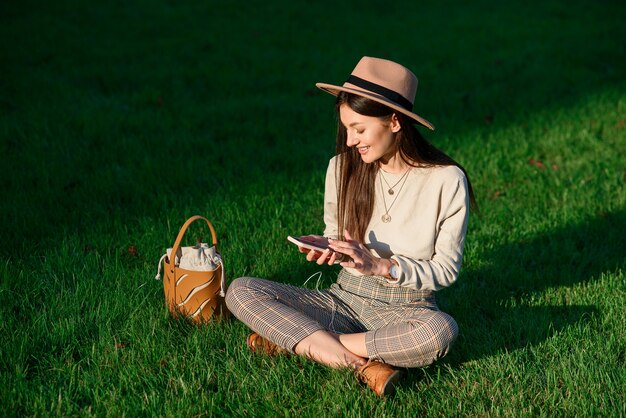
(194, 281)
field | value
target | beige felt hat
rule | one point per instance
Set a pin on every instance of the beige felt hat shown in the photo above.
(383, 81)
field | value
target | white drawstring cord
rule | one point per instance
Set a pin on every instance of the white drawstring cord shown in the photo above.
(158, 276)
(223, 282)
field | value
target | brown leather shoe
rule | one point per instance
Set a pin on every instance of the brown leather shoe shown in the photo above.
(380, 377)
(258, 344)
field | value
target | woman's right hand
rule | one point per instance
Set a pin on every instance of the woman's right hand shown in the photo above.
(327, 256)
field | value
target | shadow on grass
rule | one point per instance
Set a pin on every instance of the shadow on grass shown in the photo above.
(492, 305)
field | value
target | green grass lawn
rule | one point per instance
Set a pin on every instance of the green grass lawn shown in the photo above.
(120, 120)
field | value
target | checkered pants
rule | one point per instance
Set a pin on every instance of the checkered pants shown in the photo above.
(403, 327)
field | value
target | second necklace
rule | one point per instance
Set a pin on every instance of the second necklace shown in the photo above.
(390, 190)
(386, 218)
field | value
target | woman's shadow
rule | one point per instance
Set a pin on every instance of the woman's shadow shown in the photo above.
(510, 303)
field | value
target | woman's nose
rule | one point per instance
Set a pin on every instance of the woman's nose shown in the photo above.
(351, 139)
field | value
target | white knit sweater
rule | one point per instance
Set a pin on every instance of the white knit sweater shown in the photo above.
(428, 224)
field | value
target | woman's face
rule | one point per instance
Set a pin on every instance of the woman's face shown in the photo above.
(373, 137)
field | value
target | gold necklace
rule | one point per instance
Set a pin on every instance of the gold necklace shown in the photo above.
(390, 190)
(386, 218)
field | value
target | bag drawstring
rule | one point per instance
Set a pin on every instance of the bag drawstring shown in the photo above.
(223, 281)
(218, 259)
(158, 275)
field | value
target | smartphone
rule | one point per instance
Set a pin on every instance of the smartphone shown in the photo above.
(316, 247)
(306, 244)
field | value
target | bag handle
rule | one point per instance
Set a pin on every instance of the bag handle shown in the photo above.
(182, 231)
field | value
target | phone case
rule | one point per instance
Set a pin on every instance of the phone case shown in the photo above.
(304, 244)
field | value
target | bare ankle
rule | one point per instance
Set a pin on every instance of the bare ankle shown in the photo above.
(357, 363)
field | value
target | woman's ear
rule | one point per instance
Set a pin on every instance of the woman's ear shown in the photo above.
(395, 124)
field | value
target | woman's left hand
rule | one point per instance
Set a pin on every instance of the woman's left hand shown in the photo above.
(362, 259)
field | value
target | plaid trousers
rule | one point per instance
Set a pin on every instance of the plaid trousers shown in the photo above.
(404, 327)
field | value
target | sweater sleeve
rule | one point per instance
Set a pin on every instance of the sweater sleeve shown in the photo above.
(442, 269)
(330, 202)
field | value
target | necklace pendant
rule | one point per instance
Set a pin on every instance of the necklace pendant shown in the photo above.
(390, 191)
(386, 218)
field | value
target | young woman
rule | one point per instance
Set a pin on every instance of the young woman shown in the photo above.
(396, 211)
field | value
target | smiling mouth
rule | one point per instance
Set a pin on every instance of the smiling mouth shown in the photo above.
(363, 150)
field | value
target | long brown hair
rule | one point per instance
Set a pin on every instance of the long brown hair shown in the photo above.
(356, 180)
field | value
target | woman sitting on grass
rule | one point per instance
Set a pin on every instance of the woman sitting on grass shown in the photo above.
(396, 211)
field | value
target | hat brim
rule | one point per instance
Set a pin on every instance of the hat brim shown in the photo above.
(334, 90)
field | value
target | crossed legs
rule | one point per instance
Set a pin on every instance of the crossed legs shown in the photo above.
(317, 325)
